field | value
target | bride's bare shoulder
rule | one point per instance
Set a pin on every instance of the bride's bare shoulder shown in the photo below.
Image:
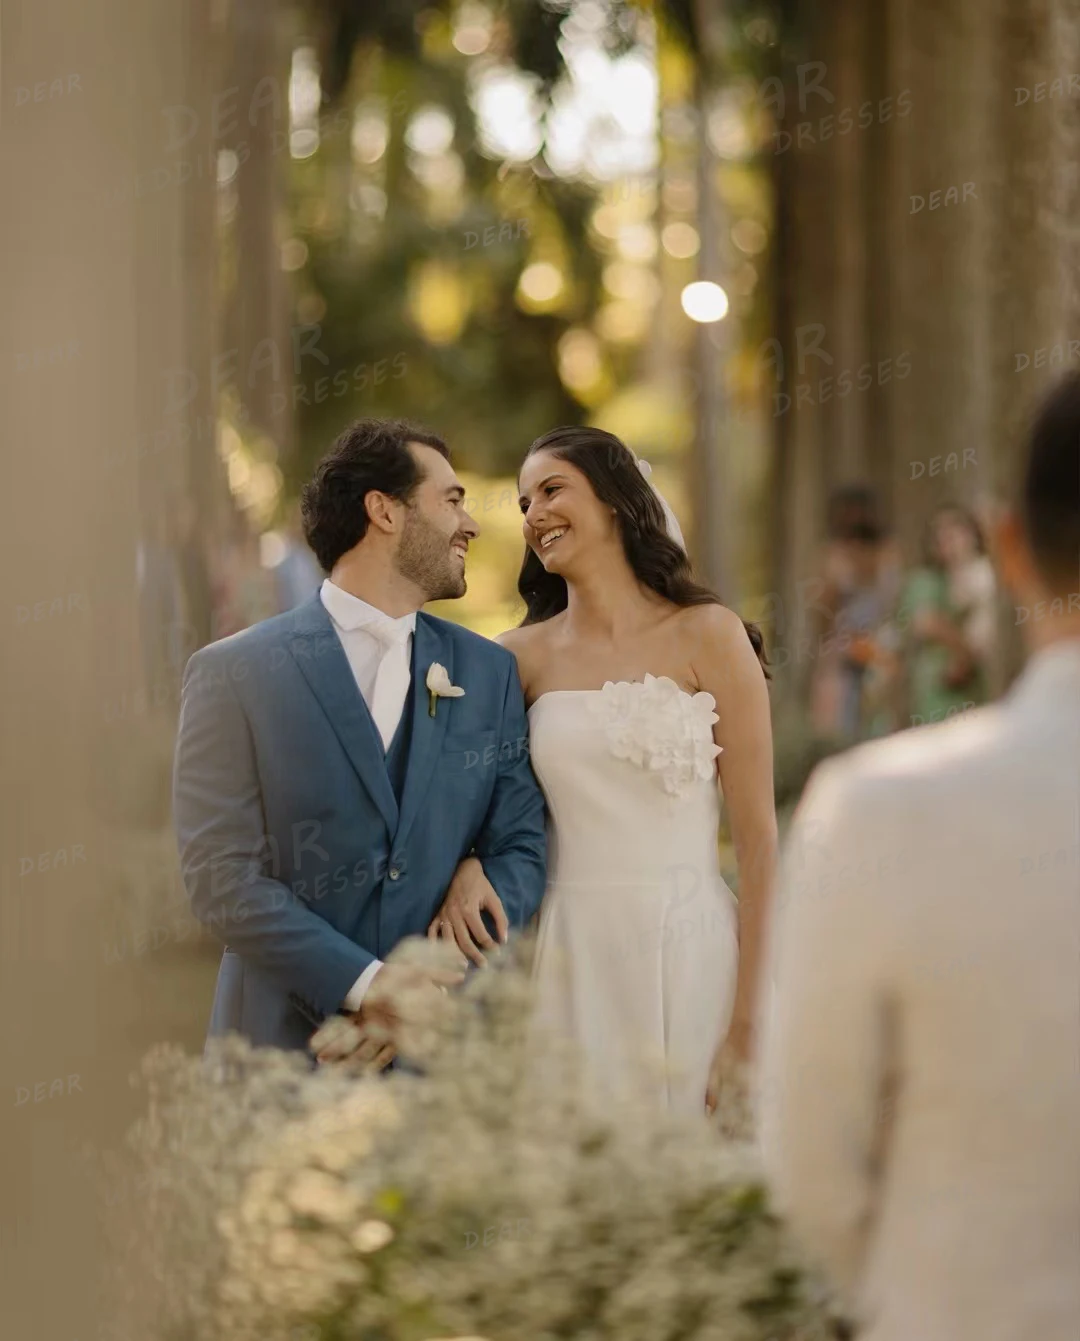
(721, 652)
(716, 635)
(528, 645)
(522, 639)
(712, 621)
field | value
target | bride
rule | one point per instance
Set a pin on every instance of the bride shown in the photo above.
(647, 699)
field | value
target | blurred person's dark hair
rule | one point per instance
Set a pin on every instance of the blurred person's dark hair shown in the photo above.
(957, 512)
(371, 454)
(852, 514)
(1049, 494)
(656, 560)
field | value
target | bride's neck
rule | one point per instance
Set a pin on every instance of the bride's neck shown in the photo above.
(607, 600)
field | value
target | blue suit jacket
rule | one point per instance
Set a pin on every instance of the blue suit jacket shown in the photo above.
(293, 847)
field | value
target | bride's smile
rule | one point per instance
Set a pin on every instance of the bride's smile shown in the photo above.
(548, 538)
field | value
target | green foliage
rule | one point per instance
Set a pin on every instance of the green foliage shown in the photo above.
(494, 386)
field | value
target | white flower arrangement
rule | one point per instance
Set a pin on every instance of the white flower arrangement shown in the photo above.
(301, 1206)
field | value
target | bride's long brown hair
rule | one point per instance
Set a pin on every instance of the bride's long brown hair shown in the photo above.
(655, 559)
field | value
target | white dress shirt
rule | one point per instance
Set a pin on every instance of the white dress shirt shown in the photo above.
(352, 618)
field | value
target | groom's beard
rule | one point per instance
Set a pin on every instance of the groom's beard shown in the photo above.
(424, 557)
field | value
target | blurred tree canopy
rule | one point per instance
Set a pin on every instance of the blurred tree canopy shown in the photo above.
(445, 263)
(415, 233)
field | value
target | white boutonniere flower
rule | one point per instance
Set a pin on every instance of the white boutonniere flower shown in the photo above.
(439, 686)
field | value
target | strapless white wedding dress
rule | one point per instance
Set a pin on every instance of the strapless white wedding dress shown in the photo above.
(637, 951)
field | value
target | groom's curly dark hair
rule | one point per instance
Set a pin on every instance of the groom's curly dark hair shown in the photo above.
(371, 454)
(1050, 486)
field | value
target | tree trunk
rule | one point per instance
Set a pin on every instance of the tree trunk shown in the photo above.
(95, 232)
(263, 366)
(938, 250)
(711, 446)
(802, 357)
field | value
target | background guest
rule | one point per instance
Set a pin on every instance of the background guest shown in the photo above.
(951, 604)
(854, 677)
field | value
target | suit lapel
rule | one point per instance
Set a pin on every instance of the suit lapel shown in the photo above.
(427, 732)
(317, 650)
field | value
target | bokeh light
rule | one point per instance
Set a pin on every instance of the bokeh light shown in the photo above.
(438, 301)
(430, 131)
(370, 133)
(580, 360)
(704, 301)
(540, 283)
(634, 283)
(749, 236)
(637, 241)
(680, 240)
(472, 29)
(294, 254)
(505, 101)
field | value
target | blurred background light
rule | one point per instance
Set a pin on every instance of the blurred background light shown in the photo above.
(637, 242)
(370, 133)
(472, 29)
(438, 301)
(727, 128)
(305, 99)
(622, 321)
(704, 301)
(272, 549)
(294, 254)
(227, 164)
(605, 221)
(303, 143)
(680, 240)
(679, 194)
(749, 236)
(540, 283)
(430, 130)
(310, 308)
(507, 112)
(580, 362)
(635, 283)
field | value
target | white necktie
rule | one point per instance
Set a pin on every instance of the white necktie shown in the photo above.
(393, 677)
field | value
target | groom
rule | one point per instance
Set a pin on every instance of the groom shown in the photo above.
(324, 795)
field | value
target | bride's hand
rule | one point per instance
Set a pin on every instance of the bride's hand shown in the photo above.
(730, 1061)
(460, 918)
(345, 1039)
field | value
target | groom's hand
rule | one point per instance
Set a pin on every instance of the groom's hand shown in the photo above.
(460, 919)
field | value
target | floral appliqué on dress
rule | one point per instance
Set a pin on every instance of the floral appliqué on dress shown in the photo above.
(661, 728)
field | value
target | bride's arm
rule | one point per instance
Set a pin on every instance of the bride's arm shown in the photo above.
(727, 667)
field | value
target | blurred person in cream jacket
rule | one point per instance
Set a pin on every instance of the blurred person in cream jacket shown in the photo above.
(919, 1071)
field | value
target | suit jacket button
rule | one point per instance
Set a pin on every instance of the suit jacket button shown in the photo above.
(393, 873)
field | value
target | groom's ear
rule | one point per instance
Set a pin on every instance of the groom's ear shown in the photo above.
(383, 511)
